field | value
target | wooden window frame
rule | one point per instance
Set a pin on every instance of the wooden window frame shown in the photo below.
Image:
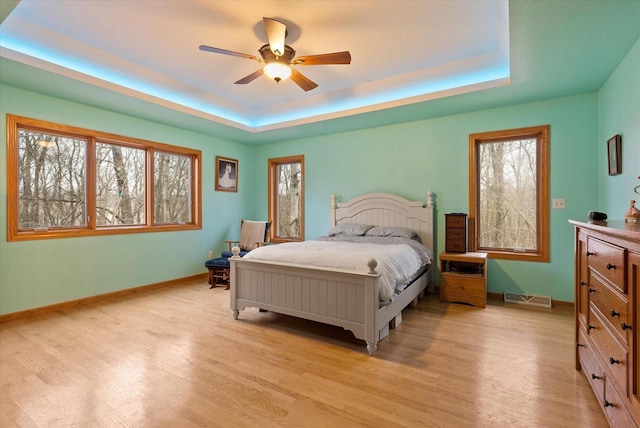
(542, 134)
(272, 203)
(91, 229)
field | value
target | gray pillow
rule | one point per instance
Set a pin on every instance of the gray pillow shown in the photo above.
(349, 229)
(399, 232)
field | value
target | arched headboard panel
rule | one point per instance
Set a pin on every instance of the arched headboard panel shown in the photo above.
(385, 209)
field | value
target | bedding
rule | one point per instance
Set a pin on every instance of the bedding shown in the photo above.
(349, 229)
(392, 231)
(399, 259)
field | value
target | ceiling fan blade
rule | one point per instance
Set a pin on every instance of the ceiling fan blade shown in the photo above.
(330, 58)
(250, 78)
(276, 33)
(226, 52)
(302, 80)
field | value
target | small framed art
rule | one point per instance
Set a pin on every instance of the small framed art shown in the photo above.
(614, 154)
(226, 174)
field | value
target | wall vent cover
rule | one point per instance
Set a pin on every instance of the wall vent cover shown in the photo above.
(527, 299)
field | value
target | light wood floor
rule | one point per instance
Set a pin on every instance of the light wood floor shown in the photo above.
(174, 357)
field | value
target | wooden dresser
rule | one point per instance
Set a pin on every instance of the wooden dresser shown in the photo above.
(607, 283)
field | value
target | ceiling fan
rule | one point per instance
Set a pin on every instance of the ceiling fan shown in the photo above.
(278, 58)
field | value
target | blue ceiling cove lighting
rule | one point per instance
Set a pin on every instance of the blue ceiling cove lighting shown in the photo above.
(146, 62)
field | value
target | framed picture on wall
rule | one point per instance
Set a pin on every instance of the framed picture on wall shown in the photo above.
(614, 154)
(226, 174)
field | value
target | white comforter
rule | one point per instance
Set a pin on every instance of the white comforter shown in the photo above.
(397, 263)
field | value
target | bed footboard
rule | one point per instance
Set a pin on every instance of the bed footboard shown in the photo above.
(342, 298)
(331, 296)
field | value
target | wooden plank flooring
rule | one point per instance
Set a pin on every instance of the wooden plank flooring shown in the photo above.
(174, 357)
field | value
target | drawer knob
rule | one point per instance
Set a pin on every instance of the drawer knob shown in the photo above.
(613, 361)
(582, 283)
(589, 254)
(594, 376)
(592, 290)
(579, 345)
(607, 404)
(625, 326)
(590, 327)
(614, 314)
(610, 266)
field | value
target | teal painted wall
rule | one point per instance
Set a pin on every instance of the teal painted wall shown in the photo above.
(412, 158)
(39, 273)
(408, 159)
(619, 105)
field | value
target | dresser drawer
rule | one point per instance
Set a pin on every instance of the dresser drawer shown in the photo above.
(612, 306)
(614, 356)
(615, 409)
(609, 261)
(457, 234)
(590, 366)
(459, 221)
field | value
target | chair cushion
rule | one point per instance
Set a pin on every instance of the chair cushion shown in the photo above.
(252, 232)
(227, 254)
(219, 262)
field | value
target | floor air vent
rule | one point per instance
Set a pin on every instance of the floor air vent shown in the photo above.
(527, 299)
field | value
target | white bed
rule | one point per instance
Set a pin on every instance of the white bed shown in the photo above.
(332, 295)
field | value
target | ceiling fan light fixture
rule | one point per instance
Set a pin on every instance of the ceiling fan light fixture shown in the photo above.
(277, 71)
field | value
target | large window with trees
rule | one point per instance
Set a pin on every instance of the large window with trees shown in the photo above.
(65, 181)
(286, 198)
(509, 193)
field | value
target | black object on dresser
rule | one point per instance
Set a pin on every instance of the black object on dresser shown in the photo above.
(455, 233)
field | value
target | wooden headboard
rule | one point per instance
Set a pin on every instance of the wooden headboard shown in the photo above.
(385, 209)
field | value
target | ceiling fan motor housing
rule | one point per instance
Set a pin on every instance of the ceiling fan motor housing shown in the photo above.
(269, 56)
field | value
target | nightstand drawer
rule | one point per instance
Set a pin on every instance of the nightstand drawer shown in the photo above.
(462, 284)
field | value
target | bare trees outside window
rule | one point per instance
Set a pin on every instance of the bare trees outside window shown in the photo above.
(172, 184)
(120, 185)
(51, 186)
(286, 198)
(65, 181)
(509, 202)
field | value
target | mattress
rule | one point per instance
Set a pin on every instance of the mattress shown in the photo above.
(399, 260)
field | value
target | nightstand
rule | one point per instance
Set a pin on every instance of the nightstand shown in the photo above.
(463, 278)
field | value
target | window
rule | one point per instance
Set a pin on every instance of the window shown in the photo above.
(65, 181)
(286, 198)
(509, 193)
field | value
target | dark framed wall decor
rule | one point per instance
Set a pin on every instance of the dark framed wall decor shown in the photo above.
(226, 174)
(614, 154)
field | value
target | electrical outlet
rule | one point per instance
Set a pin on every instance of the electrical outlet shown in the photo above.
(557, 203)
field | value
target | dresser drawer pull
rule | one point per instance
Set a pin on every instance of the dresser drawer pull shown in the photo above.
(582, 283)
(589, 254)
(592, 290)
(594, 376)
(610, 266)
(625, 326)
(579, 345)
(614, 313)
(607, 404)
(614, 361)
(590, 327)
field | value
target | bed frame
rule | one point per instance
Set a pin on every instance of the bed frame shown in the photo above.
(335, 296)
